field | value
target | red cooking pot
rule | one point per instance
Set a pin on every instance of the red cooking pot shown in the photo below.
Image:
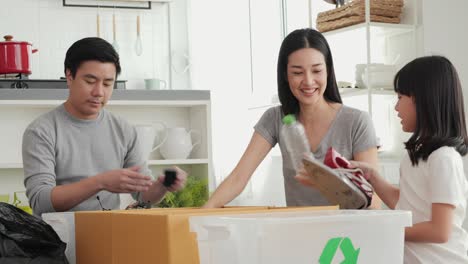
(15, 56)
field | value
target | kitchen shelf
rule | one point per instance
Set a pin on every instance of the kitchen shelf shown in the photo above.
(49, 103)
(11, 165)
(121, 4)
(376, 29)
(189, 109)
(33, 95)
(54, 97)
(369, 43)
(350, 92)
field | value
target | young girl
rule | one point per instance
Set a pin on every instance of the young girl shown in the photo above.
(432, 182)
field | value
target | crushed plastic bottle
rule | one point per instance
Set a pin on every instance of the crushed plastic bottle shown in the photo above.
(295, 141)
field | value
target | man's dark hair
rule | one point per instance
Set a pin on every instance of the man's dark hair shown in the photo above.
(433, 83)
(89, 49)
(296, 40)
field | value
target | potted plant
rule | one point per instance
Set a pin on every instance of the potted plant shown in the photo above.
(195, 194)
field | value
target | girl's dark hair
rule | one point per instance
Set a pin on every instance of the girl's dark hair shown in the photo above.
(89, 49)
(296, 40)
(434, 85)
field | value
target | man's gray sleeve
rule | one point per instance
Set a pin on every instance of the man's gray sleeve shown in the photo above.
(39, 169)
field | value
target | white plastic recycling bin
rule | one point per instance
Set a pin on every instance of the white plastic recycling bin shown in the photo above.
(324, 237)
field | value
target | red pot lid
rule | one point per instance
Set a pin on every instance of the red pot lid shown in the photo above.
(8, 41)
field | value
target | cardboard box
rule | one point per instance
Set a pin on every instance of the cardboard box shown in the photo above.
(148, 235)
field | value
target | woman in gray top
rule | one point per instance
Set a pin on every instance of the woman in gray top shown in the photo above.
(307, 88)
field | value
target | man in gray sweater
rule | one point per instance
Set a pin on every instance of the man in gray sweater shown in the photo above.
(80, 156)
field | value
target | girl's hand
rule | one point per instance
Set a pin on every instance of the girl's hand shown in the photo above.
(370, 173)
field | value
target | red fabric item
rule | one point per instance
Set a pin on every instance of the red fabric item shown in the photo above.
(334, 160)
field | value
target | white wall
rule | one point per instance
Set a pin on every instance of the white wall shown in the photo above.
(52, 28)
(220, 57)
(445, 34)
(242, 86)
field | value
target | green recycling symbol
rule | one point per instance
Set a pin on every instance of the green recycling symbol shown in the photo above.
(350, 254)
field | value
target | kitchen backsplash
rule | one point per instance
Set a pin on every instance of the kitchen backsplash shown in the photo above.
(52, 28)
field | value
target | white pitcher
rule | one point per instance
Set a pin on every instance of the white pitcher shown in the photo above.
(178, 144)
(148, 135)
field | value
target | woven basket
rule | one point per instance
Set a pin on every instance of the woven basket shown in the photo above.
(387, 11)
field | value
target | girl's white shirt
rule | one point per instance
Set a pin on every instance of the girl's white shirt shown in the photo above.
(440, 179)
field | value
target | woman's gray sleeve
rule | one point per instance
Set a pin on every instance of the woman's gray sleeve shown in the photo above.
(267, 126)
(364, 136)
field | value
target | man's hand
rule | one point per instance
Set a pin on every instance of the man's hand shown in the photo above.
(179, 183)
(124, 180)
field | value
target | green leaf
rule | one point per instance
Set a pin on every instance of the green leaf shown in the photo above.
(195, 194)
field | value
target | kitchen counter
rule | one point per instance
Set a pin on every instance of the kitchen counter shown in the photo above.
(137, 95)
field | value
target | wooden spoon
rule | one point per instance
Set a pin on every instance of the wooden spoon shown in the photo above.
(98, 26)
(114, 35)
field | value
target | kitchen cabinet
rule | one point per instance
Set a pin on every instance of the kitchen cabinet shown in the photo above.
(177, 108)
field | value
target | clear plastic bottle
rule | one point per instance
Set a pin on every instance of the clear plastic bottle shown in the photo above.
(295, 140)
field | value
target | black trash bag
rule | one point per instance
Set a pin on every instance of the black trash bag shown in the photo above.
(27, 239)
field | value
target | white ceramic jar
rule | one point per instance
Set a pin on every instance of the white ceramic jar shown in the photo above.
(178, 144)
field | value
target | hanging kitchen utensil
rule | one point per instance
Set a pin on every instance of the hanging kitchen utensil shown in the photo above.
(181, 63)
(138, 43)
(98, 24)
(114, 35)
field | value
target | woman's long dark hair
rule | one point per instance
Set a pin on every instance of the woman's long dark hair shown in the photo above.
(434, 85)
(296, 40)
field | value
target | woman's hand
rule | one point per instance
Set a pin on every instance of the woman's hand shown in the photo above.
(304, 178)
